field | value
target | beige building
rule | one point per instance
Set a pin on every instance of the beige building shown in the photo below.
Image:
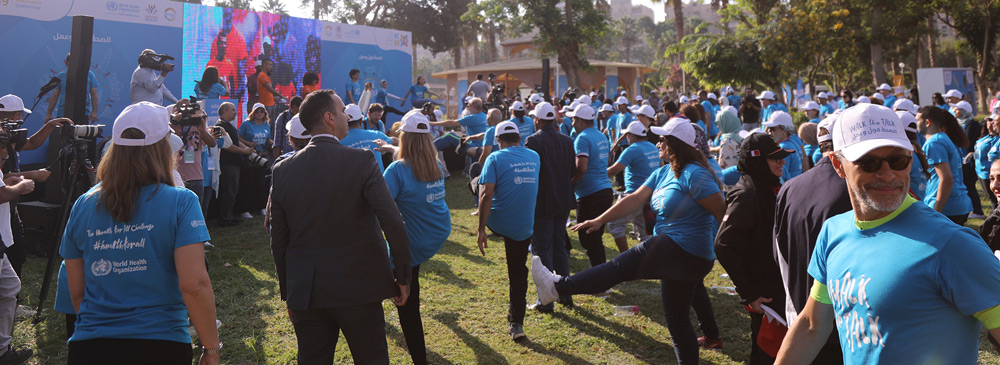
(625, 9)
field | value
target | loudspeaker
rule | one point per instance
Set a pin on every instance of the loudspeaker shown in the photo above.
(546, 75)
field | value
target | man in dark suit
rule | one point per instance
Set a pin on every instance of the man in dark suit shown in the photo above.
(329, 209)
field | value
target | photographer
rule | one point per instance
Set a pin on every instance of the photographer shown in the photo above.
(189, 122)
(230, 163)
(750, 109)
(147, 83)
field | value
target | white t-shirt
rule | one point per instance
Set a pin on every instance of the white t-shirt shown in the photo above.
(5, 233)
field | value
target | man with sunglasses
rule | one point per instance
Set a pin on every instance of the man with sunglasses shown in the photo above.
(898, 280)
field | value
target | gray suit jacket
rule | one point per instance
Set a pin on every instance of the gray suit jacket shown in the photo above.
(329, 208)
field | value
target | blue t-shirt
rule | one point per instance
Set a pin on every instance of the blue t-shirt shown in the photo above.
(131, 279)
(380, 96)
(639, 159)
(889, 101)
(61, 103)
(63, 303)
(844, 105)
(525, 127)
(731, 175)
(825, 110)
(490, 139)
(678, 214)
(417, 91)
(566, 127)
(215, 92)
(711, 111)
(982, 155)
(621, 124)
(734, 100)
(355, 88)
(255, 133)
(365, 139)
(590, 143)
(514, 170)
(765, 113)
(904, 291)
(793, 163)
(938, 149)
(422, 205)
(474, 124)
(918, 181)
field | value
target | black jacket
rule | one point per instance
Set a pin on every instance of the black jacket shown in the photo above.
(744, 245)
(555, 185)
(991, 229)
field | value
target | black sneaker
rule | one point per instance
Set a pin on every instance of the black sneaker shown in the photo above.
(13, 356)
(515, 330)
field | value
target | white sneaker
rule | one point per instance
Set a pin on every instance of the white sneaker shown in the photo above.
(263, 212)
(24, 312)
(545, 281)
(209, 245)
(246, 215)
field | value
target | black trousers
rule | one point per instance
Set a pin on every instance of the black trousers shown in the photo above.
(253, 189)
(517, 274)
(16, 253)
(128, 351)
(590, 207)
(409, 321)
(317, 331)
(229, 186)
(969, 178)
(986, 190)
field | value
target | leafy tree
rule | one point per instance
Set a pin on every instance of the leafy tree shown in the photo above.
(630, 32)
(235, 4)
(562, 27)
(974, 21)
(275, 7)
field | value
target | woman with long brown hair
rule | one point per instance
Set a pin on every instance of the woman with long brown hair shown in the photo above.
(135, 258)
(687, 198)
(416, 182)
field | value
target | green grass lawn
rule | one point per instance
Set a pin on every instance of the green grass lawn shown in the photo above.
(464, 306)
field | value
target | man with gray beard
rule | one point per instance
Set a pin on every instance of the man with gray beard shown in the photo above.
(899, 282)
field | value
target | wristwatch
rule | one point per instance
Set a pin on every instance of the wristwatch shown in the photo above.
(215, 351)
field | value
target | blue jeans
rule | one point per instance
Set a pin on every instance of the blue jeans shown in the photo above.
(195, 186)
(681, 275)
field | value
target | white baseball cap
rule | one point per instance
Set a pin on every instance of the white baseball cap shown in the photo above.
(621, 100)
(680, 128)
(905, 104)
(623, 92)
(964, 105)
(636, 128)
(12, 103)
(863, 128)
(827, 123)
(950, 94)
(296, 129)
(646, 110)
(683, 99)
(544, 111)
(909, 121)
(877, 96)
(634, 108)
(582, 111)
(353, 112)
(712, 96)
(638, 98)
(535, 99)
(779, 118)
(176, 143)
(257, 106)
(506, 127)
(593, 94)
(151, 119)
(884, 87)
(810, 105)
(584, 100)
(415, 122)
(517, 106)
(823, 95)
(606, 108)
(729, 108)
(766, 95)
(864, 100)
(567, 108)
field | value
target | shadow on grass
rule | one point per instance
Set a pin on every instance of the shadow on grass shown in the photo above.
(441, 272)
(452, 248)
(625, 338)
(396, 334)
(484, 353)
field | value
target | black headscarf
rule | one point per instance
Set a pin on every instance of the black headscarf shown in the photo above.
(755, 167)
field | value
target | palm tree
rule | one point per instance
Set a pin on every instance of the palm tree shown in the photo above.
(630, 30)
(275, 7)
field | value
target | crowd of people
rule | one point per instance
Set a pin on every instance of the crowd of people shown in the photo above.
(847, 224)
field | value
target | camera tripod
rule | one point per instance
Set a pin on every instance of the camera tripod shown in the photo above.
(74, 159)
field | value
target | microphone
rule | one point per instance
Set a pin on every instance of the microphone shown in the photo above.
(53, 83)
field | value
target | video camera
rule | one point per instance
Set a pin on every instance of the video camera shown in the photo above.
(14, 137)
(157, 62)
(187, 114)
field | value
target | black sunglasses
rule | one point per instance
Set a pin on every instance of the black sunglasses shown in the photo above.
(873, 164)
